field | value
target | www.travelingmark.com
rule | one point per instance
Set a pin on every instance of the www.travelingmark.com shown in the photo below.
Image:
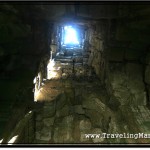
(117, 135)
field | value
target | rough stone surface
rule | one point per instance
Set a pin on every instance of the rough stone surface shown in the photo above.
(37, 135)
(134, 70)
(94, 113)
(45, 131)
(63, 135)
(78, 109)
(48, 121)
(61, 101)
(92, 102)
(95, 116)
(63, 132)
(85, 125)
(116, 54)
(97, 131)
(63, 111)
(131, 54)
(39, 117)
(39, 125)
(128, 85)
(67, 121)
(48, 111)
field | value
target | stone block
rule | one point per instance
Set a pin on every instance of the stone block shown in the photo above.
(136, 85)
(37, 135)
(46, 133)
(31, 130)
(93, 102)
(63, 111)
(39, 117)
(67, 121)
(140, 98)
(134, 71)
(95, 117)
(62, 100)
(123, 95)
(48, 111)
(116, 54)
(76, 130)
(85, 125)
(39, 125)
(45, 137)
(50, 103)
(63, 135)
(78, 109)
(48, 121)
(131, 54)
(30, 139)
(117, 79)
(63, 130)
(90, 60)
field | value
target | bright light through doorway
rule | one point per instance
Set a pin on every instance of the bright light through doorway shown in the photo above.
(70, 35)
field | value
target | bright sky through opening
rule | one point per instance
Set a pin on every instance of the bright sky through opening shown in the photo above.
(70, 35)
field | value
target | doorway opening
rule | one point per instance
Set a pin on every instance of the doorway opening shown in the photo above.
(72, 39)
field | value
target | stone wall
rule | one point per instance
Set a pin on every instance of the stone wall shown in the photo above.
(95, 42)
(23, 41)
(127, 53)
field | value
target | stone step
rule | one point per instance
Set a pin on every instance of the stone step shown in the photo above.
(63, 57)
(78, 64)
(64, 60)
(67, 64)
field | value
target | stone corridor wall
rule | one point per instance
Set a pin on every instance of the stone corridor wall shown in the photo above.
(95, 43)
(127, 82)
(128, 55)
(23, 41)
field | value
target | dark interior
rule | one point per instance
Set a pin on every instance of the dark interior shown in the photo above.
(74, 73)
